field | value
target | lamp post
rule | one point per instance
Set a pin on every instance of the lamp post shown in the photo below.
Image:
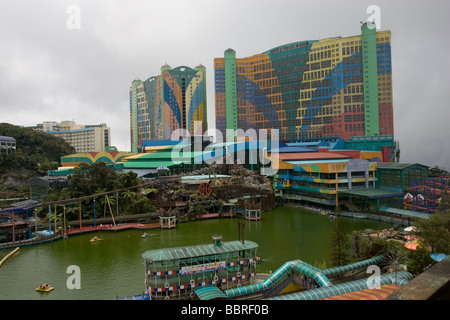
(13, 230)
(64, 217)
(35, 223)
(65, 232)
(94, 213)
(49, 218)
(55, 219)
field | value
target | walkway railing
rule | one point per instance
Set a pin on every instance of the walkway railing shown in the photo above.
(28, 242)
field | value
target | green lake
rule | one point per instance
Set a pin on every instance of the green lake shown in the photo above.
(114, 266)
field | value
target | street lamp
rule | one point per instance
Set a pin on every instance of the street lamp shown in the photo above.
(64, 217)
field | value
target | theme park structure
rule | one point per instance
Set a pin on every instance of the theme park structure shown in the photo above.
(426, 197)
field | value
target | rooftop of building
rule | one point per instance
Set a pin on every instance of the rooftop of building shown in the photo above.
(377, 193)
(311, 156)
(197, 250)
(399, 166)
(7, 139)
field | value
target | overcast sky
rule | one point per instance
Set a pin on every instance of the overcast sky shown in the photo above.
(49, 72)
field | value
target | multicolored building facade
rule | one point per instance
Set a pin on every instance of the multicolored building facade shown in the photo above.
(335, 87)
(175, 99)
(321, 182)
(74, 160)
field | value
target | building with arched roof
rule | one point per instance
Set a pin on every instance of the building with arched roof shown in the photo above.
(7, 144)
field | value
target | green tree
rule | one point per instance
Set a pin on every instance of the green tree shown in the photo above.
(394, 256)
(199, 209)
(147, 191)
(72, 212)
(339, 244)
(36, 151)
(438, 171)
(141, 205)
(419, 260)
(88, 180)
(361, 245)
(128, 196)
(435, 232)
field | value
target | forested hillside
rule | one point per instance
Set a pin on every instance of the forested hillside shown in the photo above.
(36, 152)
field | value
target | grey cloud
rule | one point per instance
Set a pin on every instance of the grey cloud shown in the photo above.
(48, 72)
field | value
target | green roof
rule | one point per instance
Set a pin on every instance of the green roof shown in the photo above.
(147, 164)
(403, 212)
(178, 155)
(372, 193)
(197, 250)
(398, 166)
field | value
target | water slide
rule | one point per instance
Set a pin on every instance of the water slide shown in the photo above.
(321, 277)
(331, 272)
(326, 289)
(401, 278)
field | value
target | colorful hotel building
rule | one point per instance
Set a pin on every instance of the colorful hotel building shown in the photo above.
(335, 87)
(175, 99)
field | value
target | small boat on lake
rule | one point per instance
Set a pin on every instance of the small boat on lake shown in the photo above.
(45, 288)
(95, 239)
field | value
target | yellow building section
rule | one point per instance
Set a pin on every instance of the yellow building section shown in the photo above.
(74, 160)
(291, 288)
(196, 127)
(255, 65)
(331, 167)
(278, 164)
(154, 149)
(195, 123)
(324, 56)
(369, 155)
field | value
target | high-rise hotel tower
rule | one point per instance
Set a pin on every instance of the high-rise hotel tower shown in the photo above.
(175, 99)
(335, 87)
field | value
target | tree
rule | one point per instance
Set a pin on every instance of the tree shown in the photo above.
(419, 261)
(360, 245)
(147, 191)
(141, 205)
(437, 172)
(395, 255)
(435, 232)
(339, 244)
(36, 151)
(128, 195)
(199, 209)
(88, 180)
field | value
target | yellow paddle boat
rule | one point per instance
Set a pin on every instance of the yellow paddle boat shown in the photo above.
(95, 239)
(45, 288)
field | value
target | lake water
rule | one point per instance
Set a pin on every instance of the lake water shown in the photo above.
(113, 267)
